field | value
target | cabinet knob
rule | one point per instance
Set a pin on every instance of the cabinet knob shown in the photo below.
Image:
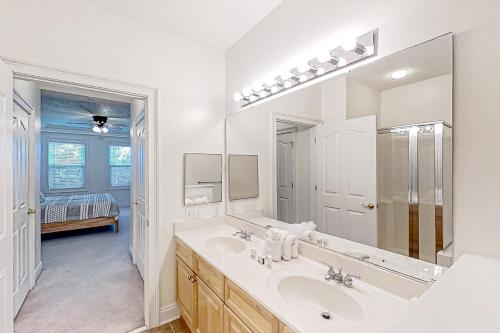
(191, 278)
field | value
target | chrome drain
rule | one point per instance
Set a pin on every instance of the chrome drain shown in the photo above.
(326, 315)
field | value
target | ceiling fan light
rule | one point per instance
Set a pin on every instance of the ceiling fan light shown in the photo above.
(96, 129)
(104, 130)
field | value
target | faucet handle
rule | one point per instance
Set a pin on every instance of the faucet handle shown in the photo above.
(354, 276)
(347, 280)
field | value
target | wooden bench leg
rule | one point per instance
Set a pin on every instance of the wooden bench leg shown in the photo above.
(116, 226)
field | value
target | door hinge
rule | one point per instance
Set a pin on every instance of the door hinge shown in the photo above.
(315, 187)
(292, 185)
(291, 143)
(147, 222)
(314, 140)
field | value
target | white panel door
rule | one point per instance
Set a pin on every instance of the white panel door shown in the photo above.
(20, 176)
(6, 248)
(346, 178)
(139, 209)
(285, 160)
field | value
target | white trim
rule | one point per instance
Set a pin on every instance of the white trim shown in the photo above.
(150, 95)
(139, 330)
(169, 313)
(274, 170)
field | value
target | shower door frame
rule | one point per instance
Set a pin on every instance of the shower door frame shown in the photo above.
(413, 130)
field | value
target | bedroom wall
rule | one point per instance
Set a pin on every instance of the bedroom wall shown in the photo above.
(97, 180)
(76, 36)
(296, 29)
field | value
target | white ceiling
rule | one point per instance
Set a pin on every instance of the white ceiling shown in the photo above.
(425, 61)
(217, 23)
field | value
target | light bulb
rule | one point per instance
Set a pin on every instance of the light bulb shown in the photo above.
(286, 75)
(263, 94)
(96, 129)
(303, 68)
(303, 78)
(247, 91)
(105, 130)
(342, 62)
(253, 98)
(270, 82)
(237, 97)
(257, 87)
(399, 74)
(288, 84)
(370, 50)
(274, 89)
(349, 44)
(320, 71)
(324, 57)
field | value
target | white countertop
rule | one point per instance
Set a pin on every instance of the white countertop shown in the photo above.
(380, 309)
(466, 299)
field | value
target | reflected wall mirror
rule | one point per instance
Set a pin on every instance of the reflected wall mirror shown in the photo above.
(366, 155)
(202, 178)
(243, 176)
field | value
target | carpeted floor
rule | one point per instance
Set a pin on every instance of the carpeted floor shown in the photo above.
(88, 285)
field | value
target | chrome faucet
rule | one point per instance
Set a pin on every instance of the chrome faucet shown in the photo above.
(246, 235)
(338, 277)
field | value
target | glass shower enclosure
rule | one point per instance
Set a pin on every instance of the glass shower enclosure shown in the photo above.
(414, 185)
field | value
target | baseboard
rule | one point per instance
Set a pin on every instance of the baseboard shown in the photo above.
(169, 313)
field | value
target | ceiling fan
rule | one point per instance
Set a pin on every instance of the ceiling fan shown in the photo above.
(100, 124)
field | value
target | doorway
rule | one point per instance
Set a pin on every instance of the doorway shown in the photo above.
(148, 209)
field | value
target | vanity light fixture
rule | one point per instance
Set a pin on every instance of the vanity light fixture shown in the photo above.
(399, 74)
(346, 54)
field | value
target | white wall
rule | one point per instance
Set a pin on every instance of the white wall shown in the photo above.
(79, 37)
(297, 28)
(363, 100)
(96, 167)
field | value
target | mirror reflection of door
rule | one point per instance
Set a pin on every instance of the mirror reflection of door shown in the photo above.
(285, 161)
(346, 162)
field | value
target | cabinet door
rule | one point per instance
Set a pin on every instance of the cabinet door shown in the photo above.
(232, 324)
(187, 296)
(210, 310)
(284, 329)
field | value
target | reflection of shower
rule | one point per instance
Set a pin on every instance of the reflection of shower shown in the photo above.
(414, 187)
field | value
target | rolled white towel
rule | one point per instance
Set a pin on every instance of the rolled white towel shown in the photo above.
(309, 236)
(278, 234)
(273, 248)
(295, 247)
(309, 225)
(188, 202)
(273, 234)
(287, 247)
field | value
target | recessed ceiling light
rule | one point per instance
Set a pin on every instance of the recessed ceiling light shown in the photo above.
(399, 74)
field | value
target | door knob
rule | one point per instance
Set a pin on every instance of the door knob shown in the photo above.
(31, 211)
(369, 205)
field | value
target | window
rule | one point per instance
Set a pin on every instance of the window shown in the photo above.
(119, 165)
(66, 165)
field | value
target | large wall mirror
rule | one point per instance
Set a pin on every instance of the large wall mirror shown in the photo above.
(202, 178)
(366, 155)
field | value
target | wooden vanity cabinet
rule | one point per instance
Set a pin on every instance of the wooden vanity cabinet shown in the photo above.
(210, 303)
(187, 294)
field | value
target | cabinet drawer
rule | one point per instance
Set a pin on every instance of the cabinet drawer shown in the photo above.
(233, 324)
(187, 255)
(212, 277)
(258, 319)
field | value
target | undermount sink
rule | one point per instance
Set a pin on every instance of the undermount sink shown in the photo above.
(318, 299)
(225, 244)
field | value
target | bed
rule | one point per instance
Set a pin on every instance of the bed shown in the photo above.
(73, 212)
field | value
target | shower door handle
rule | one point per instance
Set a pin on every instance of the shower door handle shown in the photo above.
(369, 205)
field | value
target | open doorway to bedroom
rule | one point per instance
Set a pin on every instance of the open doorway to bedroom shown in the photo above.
(84, 156)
